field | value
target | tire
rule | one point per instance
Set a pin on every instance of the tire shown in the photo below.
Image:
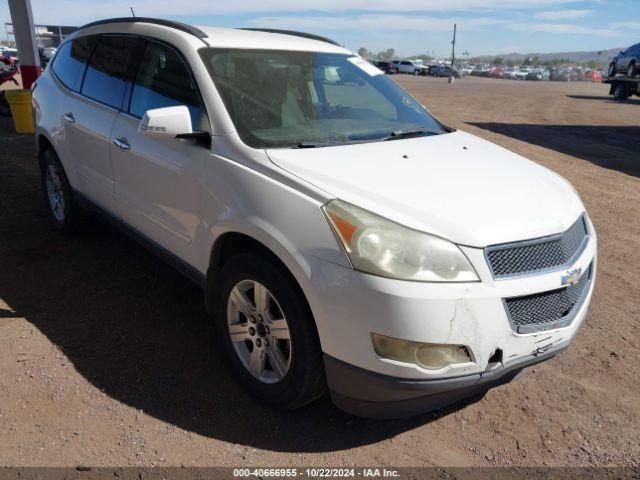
(612, 69)
(416, 72)
(631, 71)
(620, 91)
(292, 372)
(65, 213)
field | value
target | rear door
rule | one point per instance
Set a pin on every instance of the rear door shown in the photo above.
(68, 69)
(90, 116)
(157, 179)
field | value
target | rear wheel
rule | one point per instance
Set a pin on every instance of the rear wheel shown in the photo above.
(268, 332)
(65, 213)
(631, 71)
(620, 91)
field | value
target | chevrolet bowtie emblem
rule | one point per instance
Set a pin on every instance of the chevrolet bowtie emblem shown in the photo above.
(572, 276)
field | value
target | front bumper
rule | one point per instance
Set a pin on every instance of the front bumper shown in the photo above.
(367, 394)
(349, 305)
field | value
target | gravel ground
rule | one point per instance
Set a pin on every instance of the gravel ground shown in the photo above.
(105, 352)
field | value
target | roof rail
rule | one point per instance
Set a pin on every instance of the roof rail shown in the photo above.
(310, 36)
(156, 21)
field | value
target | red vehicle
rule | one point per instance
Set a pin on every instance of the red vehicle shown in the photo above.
(497, 72)
(593, 76)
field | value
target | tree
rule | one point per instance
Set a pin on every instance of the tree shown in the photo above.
(498, 61)
(364, 53)
(388, 54)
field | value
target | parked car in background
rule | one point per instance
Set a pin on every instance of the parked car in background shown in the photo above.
(445, 71)
(49, 52)
(592, 76)
(627, 62)
(409, 66)
(497, 72)
(510, 73)
(481, 72)
(538, 74)
(386, 67)
(465, 69)
(9, 57)
(43, 58)
(567, 75)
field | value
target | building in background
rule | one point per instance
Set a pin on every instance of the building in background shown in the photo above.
(46, 35)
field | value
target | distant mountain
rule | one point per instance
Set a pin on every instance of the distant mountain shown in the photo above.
(602, 56)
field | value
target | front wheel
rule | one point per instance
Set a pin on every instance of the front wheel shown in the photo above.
(268, 332)
(416, 72)
(612, 69)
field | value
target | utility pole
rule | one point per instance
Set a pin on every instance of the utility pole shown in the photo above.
(453, 53)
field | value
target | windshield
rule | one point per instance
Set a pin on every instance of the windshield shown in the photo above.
(299, 99)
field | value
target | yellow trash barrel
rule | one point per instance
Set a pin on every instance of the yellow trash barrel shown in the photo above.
(21, 111)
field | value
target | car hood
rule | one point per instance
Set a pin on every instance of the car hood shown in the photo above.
(454, 185)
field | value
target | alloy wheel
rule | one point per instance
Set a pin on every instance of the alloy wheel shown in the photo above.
(55, 193)
(259, 331)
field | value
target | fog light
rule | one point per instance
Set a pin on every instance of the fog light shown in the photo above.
(431, 356)
(435, 357)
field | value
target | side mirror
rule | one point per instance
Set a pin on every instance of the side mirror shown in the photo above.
(167, 121)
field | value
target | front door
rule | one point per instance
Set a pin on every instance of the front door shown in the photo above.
(89, 117)
(157, 179)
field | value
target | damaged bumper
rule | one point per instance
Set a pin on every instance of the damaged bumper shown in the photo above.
(371, 395)
(349, 306)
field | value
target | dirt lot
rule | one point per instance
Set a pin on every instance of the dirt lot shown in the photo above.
(105, 352)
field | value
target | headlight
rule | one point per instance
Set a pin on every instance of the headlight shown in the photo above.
(381, 247)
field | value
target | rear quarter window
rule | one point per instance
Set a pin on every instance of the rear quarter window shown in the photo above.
(71, 60)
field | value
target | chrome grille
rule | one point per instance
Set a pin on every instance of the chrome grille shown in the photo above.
(534, 256)
(548, 310)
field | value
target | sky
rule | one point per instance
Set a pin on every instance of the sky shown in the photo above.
(485, 27)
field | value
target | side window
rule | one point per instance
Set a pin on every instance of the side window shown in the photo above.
(71, 59)
(163, 80)
(105, 77)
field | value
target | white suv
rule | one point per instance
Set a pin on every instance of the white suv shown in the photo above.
(345, 239)
(415, 67)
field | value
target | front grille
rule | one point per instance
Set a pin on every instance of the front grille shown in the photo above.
(533, 256)
(547, 310)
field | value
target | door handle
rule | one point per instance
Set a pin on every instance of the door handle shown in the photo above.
(69, 118)
(122, 143)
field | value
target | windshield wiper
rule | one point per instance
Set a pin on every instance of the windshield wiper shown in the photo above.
(414, 132)
(329, 143)
(309, 145)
